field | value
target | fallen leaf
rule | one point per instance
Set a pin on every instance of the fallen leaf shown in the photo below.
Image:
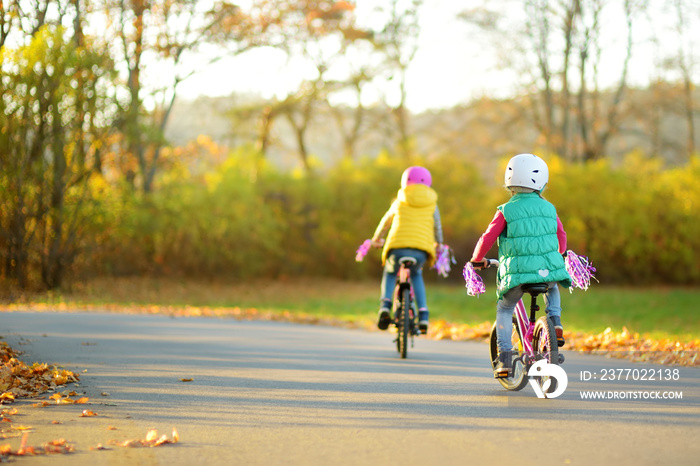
(88, 413)
(22, 427)
(55, 446)
(100, 447)
(152, 440)
(186, 380)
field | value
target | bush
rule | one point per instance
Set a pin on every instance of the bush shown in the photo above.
(244, 220)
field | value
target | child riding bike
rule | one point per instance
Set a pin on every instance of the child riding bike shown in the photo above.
(414, 227)
(531, 241)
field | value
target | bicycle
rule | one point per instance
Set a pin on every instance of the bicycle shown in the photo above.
(405, 316)
(533, 339)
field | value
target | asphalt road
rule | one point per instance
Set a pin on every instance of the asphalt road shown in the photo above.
(270, 393)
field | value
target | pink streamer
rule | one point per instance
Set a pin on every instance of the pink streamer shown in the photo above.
(362, 250)
(580, 269)
(474, 283)
(445, 257)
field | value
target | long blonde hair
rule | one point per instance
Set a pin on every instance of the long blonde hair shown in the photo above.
(519, 189)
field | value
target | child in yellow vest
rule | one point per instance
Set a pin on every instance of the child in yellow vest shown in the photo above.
(414, 228)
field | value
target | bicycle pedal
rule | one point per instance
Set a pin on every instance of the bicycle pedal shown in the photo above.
(501, 375)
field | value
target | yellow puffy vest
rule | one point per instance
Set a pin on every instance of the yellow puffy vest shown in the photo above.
(413, 225)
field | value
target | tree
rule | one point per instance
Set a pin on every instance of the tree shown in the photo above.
(162, 38)
(53, 121)
(350, 121)
(8, 19)
(686, 63)
(398, 42)
(541, 49)
(320, 32)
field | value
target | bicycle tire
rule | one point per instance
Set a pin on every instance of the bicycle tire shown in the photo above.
(404, 323)
(518, 379)
(544, 342)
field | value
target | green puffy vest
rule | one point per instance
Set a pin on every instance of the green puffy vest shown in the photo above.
(528, 248)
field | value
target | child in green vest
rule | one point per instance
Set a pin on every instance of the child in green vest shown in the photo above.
(413, 226)
(531, 243)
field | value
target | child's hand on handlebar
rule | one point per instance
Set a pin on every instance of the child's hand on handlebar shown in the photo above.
(378, 243)
(483, 264)
(478, 265)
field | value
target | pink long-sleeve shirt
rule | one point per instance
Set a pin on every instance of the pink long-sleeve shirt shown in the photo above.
(494, 230)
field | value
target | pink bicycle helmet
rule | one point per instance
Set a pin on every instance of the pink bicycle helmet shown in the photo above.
(413, 175)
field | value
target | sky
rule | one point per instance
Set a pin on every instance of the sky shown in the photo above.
(452, 65)
(442, 74)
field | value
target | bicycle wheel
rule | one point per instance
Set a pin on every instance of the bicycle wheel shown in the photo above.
(404, 323)
(518, 378)
(544, 342)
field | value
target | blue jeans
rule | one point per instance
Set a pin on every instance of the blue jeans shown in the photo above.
(506, 306)
(391, 269)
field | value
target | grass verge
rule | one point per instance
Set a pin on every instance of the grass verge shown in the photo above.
(632, 318)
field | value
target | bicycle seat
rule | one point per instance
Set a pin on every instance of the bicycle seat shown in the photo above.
(535, 288)
(409, 261)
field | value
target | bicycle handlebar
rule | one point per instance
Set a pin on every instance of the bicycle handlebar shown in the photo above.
(485, 264)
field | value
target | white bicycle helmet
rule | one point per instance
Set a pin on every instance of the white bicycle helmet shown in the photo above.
(527, 171)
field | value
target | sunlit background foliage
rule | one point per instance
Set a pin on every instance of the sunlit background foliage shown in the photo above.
(635, 221)
(92, 183)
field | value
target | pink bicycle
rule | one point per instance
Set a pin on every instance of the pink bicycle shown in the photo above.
(533, 339)
(403, 313)
(405, 317)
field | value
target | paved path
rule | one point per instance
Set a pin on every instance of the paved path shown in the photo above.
(267, 393)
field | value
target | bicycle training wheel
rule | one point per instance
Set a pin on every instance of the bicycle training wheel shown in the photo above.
(518, 378)
(544, 342)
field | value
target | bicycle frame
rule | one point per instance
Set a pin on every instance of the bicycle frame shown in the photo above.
(403, 281)
(527, 328)
(403, 278)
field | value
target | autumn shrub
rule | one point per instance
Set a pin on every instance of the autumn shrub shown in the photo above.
(635, 221)
(245, 219)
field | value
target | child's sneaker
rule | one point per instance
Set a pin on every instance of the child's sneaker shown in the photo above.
(559, 330)
(502, 366)
(423, 321)
(384, 318)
